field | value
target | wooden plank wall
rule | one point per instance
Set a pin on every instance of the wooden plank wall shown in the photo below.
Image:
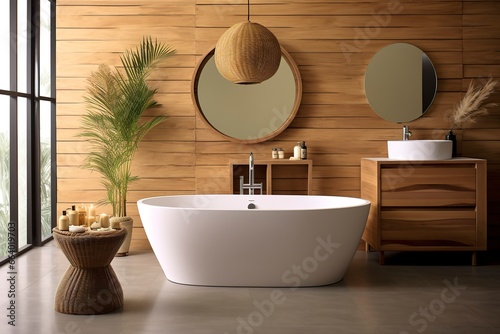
(481, 59)
(331, 41)
(91, 32)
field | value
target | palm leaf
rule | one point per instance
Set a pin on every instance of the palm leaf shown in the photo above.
(139, 62)
(115, 104)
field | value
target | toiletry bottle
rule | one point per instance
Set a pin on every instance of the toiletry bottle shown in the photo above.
(281, 153)
(303, 151)
(63, 224)
(275, 153)
(73, 216)
(296, 150)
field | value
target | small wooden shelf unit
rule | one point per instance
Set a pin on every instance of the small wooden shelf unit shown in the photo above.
(278, 176)
(425, 205)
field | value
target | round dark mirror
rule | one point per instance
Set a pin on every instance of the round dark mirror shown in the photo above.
(400, 83)
(247, 113)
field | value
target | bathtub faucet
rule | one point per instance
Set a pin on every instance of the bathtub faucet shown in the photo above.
(251, 185)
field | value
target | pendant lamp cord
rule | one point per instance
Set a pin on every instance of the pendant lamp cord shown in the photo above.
(248, 11)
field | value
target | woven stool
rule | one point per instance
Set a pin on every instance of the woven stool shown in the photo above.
(90, 285)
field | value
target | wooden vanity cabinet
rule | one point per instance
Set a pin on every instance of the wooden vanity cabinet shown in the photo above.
(425, 205)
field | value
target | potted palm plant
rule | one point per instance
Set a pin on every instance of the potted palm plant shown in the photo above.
(115, 101)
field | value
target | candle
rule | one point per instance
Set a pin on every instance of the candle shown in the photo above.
(82, 212)
(91, 210)
(104, 220)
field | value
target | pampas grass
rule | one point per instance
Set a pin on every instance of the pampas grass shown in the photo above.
(472, 104)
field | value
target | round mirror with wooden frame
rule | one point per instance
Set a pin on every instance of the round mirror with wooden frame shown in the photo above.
(247, 113)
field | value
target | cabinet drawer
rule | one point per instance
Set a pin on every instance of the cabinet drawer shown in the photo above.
(428, 185)
(447, 227)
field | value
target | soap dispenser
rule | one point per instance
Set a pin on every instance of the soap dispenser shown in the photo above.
(63, 224)
(73, 216)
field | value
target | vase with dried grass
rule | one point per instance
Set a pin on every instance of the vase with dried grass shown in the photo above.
(472, 105)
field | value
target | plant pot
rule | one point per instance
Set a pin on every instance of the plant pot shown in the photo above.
(127, 224)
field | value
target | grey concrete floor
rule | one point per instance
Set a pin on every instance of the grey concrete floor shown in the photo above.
(412, 293)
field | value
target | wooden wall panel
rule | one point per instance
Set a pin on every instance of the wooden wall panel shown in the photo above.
(332, 41)
(93, 32)
(481, 23)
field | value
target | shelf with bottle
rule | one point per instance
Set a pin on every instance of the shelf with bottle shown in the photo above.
(278, 176)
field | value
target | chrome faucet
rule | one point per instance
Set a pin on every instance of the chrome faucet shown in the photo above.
(251, 185)
(406, 132)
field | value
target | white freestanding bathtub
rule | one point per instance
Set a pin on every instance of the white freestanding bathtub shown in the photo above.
(280, 241)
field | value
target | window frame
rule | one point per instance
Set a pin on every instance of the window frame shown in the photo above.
(33, 98)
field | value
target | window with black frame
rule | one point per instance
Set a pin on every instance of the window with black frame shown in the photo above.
(27, 125)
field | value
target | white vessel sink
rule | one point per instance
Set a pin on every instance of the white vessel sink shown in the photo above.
(419, 149)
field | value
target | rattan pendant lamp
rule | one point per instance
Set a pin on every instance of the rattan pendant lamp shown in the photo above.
(247, 53)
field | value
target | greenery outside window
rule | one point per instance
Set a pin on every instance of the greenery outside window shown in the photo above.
(27, 124)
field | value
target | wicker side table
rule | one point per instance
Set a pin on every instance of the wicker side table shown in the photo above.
(90, 285)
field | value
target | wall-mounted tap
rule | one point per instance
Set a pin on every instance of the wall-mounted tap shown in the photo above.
(251, 185)
(406, 132)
